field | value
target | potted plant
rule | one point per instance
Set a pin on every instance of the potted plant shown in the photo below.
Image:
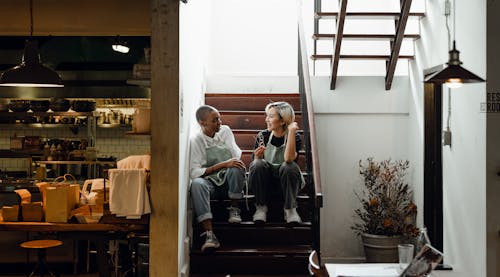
(387, 214)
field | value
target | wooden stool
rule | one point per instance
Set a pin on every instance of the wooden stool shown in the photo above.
(41, 245)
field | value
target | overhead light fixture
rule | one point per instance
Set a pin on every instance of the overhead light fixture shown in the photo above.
(31, 72)
(454, 75)
(120, 46)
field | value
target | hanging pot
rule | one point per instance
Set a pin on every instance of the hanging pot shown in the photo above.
(59, 105)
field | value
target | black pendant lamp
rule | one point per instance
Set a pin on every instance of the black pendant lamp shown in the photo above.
(31, 72)
(454, 75)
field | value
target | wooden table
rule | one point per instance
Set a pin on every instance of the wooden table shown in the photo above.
(100, 233)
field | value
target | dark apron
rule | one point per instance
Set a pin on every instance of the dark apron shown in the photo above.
(275, 156)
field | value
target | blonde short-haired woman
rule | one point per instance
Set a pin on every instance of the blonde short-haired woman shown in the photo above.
(274, 173)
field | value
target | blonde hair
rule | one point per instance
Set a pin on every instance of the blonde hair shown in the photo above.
(284, 110)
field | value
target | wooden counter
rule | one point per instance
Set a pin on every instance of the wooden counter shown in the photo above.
(100, 233)
(68, 227)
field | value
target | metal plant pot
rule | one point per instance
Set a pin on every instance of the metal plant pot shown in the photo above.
(381, 249)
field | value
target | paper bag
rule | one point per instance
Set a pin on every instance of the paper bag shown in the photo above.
(57, 203)
(41, 187)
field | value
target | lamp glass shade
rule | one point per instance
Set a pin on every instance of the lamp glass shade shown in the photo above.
(122, 48)
(31, 72)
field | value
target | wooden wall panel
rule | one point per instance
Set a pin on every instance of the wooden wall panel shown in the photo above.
(164, 227)
(76, 18)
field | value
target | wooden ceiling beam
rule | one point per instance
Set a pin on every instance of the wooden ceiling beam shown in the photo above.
(337, 42)
(396, 44)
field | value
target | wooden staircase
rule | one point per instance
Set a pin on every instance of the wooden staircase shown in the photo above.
(247, 248)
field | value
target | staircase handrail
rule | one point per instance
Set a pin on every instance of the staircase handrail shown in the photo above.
(308, 115)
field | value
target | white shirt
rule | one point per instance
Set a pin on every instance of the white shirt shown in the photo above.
(200, 142)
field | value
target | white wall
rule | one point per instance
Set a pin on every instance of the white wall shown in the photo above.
(253, 38)
(194, 45)
(360, 119)
(464, 162)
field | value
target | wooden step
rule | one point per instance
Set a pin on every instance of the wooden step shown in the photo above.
(256, 234)
(245, 139)
(268, 259)
(246, 157)
(366, 15)
(250, 101)
(360, 57)
(275, 212)
(363, 36)
(250, 120)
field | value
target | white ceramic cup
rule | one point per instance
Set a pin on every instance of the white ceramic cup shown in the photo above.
(405, 252)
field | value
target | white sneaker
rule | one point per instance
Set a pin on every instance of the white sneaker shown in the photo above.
(291, 216)
(211, 241)
(260, 214)
(234, 215)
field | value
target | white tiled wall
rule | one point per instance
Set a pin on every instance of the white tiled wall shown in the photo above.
(109, 141)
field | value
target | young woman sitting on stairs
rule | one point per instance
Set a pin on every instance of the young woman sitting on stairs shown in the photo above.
(216, 171)
(274, 170)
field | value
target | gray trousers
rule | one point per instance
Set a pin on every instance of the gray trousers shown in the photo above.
(263, 181)
(202, 190)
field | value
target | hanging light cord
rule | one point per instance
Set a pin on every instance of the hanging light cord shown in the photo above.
(31, 18)
(447, 15)
(454, 22)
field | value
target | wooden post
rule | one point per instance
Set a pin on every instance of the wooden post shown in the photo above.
(163, 251)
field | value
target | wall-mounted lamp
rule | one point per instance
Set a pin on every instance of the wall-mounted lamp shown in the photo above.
(31, 72)
(454, 75)
(120, 46)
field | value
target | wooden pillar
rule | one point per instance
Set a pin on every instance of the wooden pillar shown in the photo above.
(163, 252)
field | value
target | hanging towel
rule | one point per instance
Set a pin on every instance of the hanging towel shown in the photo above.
(128, 195)
(135, 161)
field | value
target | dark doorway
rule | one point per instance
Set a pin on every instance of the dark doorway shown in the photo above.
(433, 169)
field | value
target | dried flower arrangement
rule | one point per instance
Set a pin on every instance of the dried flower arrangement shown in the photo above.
(387, 207)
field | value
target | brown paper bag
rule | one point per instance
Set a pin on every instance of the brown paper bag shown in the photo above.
(41, 187)
(74, 195)
(57, 203)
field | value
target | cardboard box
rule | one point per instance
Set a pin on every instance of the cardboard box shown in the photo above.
(10, 213)
(32, 211)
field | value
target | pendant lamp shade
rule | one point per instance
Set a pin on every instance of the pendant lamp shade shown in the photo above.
(31, 72)
(454, 74)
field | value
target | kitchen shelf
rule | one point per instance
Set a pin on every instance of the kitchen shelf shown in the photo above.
(68, 114)
(135, 134)
(113, 125)
(61, 125)
(77, 162)
(8, 154)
